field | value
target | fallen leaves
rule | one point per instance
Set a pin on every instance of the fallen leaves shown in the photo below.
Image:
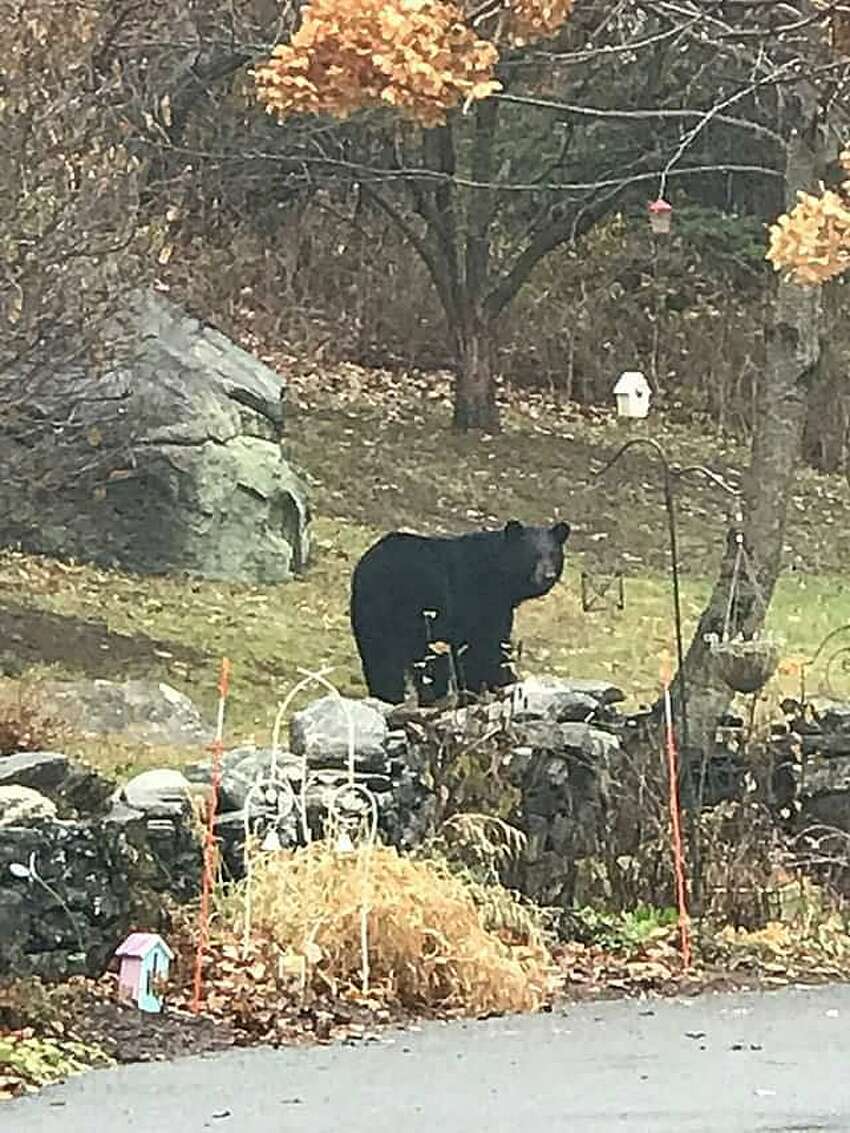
(782, 953)
(776, 955)
(29, 1061)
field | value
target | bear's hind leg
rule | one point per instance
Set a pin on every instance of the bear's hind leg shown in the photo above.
(384, 673)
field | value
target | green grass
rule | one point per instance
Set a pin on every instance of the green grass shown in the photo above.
(381, 461)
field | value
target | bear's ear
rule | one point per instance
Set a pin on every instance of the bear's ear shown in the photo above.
(513, 529)
(561, 531)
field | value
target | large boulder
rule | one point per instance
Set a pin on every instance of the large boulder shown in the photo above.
(146, 711)
(168, 461)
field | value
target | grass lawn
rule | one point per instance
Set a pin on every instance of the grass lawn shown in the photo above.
(379, 455)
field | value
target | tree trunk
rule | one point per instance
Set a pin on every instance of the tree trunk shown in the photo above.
(475, 385)
(793, 349)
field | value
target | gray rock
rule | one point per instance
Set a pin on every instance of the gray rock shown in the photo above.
(14, 918)
(829, 744)
(240, 768)
(238, 778)
(321, 732)
(547, 698)
(563, 699)
(824, 776)
(593, 744)
(120, 815)
(22, 805)
(84, 790)
(832, 715)
(230, 832)
(162, 793)
(600, 690)
(42, 770)
(175, 453)
(153, 713)
(106, 878)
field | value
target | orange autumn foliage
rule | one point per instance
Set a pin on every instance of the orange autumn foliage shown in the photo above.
(418, 56)
(528, 20)
(812, 241)
(415, 55)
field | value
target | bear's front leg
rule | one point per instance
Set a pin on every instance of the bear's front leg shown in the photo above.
(486, 661)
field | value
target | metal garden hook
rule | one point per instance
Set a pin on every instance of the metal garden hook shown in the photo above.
(670, 476)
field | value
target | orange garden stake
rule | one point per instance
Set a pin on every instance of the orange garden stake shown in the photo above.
(676, 818)
(208, 877)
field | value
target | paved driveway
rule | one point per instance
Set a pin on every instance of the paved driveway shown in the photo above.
(756, 1063)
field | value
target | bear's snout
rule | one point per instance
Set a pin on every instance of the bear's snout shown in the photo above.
(547, 572)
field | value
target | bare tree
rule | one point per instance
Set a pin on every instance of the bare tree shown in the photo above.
(792, 356)
(93, 100)
(812, 113)
(70, 228)
(616, 106)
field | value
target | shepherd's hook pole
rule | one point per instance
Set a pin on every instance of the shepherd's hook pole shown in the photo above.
(670, 505)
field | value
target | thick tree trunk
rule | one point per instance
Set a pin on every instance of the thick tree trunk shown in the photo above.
(475, 386)
(793, 348)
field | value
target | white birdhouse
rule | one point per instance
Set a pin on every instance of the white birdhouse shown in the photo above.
(632, 393)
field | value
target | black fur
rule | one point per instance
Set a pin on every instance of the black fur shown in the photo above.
(409, 591)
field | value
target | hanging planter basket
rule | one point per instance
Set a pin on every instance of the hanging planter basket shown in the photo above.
(746, 666)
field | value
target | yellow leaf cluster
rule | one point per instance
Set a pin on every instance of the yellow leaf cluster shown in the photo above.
(536, 19)
(415, 55)
(812, 241)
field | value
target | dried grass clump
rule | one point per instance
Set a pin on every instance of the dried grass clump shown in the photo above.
(427, 947)
(24, 724)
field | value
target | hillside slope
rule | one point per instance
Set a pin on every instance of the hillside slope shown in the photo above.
(378, 454)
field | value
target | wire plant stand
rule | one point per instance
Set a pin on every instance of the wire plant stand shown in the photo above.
(351, 813)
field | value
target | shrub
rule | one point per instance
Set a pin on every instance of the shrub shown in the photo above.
(424, 936)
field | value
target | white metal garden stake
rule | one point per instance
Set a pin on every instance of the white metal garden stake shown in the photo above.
(319, 677)
(365, 858)
(278, 788)
(278, 791)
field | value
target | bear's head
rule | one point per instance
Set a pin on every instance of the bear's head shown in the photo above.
(533, 558)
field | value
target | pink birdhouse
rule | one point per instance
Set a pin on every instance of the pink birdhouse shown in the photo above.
(145, 961)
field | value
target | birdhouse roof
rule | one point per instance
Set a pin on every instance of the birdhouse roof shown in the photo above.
(140, 944)
(632, 381)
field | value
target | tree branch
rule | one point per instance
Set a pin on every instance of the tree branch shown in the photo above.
(436, 270)
(483, 204)
(652, 115)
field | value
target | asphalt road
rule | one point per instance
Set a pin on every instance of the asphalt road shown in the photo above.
(768, 1063)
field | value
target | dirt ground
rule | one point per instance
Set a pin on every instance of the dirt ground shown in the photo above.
(30, 636)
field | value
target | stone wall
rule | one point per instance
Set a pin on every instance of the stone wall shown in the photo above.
(70, 890)
(82, 863)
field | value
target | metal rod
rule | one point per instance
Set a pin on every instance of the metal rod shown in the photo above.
(670, 504)
(674, 568)
(670, 476)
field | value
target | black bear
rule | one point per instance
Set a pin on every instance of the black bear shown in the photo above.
(448, 602)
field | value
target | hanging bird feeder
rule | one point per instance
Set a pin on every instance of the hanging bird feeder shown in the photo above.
(660, 217)
(744, 664)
